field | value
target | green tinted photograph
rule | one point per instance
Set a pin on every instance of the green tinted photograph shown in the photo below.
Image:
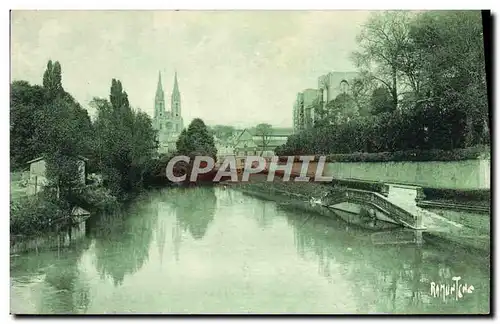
(250, 162)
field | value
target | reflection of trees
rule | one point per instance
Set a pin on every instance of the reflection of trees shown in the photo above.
(400, 275)
(122, 242)
(176, 239)
(66, 290)
(195, 209)
(265, 213)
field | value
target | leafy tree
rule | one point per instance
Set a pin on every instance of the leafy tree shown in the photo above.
(380, 101)
(124, 142)
(361, 90)
(25, 101)
(196, 140)
(450, 52)
(52, 80)
(341, 109)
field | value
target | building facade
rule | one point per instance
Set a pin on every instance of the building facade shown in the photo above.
(168, 123)
(248, 142)
(330, 86)
(38, 174)
(303, 109)
(333, 84)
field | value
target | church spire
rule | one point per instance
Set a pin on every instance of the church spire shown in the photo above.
(176, 86)
(176, 98)
(159, 99)
(159, 88)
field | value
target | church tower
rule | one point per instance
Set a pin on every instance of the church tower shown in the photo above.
(159, 101)
(176, 106)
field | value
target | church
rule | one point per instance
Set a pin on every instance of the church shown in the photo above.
(168, 123)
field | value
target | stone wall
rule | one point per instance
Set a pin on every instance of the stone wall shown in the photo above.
(458, 175)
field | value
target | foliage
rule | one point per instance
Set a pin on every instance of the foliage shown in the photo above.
(25, 102)
(448, 47)
(380, 101)
(421, 86)
(97, 198)
(124, 142)
(196, 140)
(34, 216)
(412, 155)
(384, 44)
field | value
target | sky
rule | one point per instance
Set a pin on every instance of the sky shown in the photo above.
(236, 68)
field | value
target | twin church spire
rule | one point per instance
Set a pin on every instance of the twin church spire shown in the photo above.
(175, 104)
(168, 123)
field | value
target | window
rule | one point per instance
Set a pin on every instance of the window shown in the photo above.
(344, 86)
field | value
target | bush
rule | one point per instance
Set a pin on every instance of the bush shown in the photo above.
(96, 199)
(413, 135)
(470, 153)
(34, 215)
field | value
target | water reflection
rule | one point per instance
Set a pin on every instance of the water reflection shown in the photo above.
(388, 278)
(195, 209)
(122, 241)
(55, 279)
(254, 257)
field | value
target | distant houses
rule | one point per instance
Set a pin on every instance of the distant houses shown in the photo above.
(38, 177)
(246, 142)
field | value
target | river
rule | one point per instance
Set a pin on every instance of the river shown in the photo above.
(209, 250)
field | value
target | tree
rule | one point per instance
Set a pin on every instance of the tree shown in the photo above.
(361, 90)
(264, 131)
(52, 80)
(124, 142)
(384, 42)
(341, 109)
(25, 102)
(448, 46)
(196, 140)
(380, 101)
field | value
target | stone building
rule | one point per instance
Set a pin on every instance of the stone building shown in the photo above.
(38, 177)
(303, 109)
(330, 86)
(168, 123)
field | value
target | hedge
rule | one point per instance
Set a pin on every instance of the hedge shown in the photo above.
(470, 153)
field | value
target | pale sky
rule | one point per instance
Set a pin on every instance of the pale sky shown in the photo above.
(234, 67)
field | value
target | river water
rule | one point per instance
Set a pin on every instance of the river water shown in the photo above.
(209, 250)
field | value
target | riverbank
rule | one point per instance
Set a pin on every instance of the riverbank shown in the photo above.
(474, 232)
(300, 196)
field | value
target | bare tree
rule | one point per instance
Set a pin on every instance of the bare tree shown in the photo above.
(264, 130)
(384, 42)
